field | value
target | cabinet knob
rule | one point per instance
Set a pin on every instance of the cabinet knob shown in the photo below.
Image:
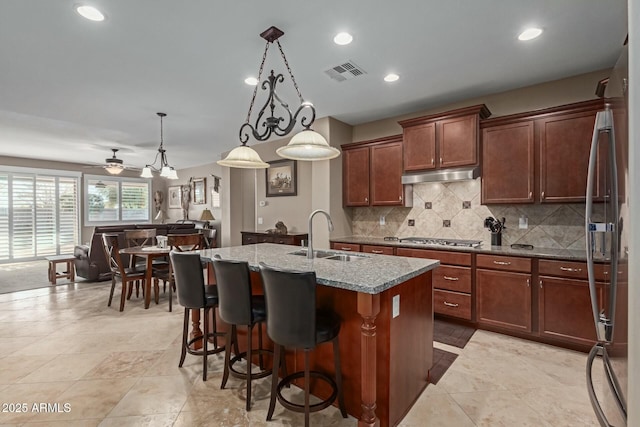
(540, 283)
(528, 282)
(432, 161)
(542, 195)
(530, 194)
(440, 160)
(366, 199)
(400, 198)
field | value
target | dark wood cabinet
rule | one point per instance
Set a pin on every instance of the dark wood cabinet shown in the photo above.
(372, 173)
(443, 140)
(565, 309)
(380, 250)
(452, 281)
(508, 164)
(386, 174)
(253, 237)
(355, 176)
(540, 156)
(504, 299)
(338, 246)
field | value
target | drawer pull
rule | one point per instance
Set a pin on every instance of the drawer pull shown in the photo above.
(573, 270)
(528, 282)
(450, 304)
(453, 279)
(345, 249)
(502, 262)
(540, 283)
(375, 251)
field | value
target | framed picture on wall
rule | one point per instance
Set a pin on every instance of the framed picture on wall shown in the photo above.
(282, 178)
(174, 197)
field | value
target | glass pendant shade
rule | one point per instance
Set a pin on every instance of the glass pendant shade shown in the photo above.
(308, 145)
(243, 157)
(165, 171)
(114, 168)
(146, 172)
(172, 174)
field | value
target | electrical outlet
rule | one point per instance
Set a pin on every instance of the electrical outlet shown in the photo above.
(260, 220)
(427, 205)
(466, 205)
(396, 306)
(412, 222)
(446, 223)
(523, 222)
(382, 220)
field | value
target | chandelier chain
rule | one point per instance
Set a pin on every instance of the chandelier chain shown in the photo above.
(161, 134)
(293, 79)
(255, 89)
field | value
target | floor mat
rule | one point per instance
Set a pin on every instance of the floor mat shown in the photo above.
(441, 362)
(451, 333)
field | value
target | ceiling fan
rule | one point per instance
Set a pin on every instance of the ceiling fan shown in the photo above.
(113, 165)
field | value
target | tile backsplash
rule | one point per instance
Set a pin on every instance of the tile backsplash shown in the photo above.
(559, 226)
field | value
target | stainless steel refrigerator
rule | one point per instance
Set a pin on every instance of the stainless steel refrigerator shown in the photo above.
(607, 241)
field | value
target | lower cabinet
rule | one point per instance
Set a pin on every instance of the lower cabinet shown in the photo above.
(345, 247)
(251, 237)
(504, 299)
(565, 309)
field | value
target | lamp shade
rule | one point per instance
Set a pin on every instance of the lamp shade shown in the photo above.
(172, 174)
(308, 145)
(206, 215)
(243, 157)
(114, 168)
(146, 172)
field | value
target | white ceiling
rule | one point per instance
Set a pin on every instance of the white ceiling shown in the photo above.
(71, 89)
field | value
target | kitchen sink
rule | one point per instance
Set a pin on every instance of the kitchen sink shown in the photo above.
(316, 254)
(345, 257)
(333, 256)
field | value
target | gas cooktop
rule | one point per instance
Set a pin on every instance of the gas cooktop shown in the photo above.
(439, 242)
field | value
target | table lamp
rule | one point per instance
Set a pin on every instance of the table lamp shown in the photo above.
(206, 215)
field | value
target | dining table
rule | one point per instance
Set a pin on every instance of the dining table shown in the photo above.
(149, 253)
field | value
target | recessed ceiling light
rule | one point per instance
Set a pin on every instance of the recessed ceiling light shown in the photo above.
(391, 77)
(90, 13)
(529, 34)
(342, 39)
(251, 81)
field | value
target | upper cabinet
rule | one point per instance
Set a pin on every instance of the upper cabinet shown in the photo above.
(372, 173)
(443, 140)
(540, 156)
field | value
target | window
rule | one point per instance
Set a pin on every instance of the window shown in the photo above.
(112, 200)
(38, 213)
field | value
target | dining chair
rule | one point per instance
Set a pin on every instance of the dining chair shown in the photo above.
(177, 243)
(128, 275)
(209, 236)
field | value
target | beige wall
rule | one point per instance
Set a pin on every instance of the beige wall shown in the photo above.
(549, 94)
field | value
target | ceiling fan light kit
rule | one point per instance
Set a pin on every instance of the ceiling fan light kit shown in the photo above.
(308, 145)
(165, 170)
(114, 165)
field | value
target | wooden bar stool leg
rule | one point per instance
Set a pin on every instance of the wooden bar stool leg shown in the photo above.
(307, 380)
(205, 340)
(249, 336)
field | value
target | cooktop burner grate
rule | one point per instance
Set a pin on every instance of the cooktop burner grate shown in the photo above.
(441, 242)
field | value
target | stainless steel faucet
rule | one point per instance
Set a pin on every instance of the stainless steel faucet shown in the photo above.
(330, 223)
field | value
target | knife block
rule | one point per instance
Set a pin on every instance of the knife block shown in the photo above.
(496, 239)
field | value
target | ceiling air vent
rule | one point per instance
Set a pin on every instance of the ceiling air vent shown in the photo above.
(346, 71)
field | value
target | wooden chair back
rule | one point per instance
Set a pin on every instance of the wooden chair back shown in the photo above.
(185, 242)
(140, 237)
(112, 252)
(209, 237)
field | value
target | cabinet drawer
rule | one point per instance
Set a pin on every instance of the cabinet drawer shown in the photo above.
(496, 262)
(384, 250)
(445, 257)
(452, 278)
(452, 304)
(283, 240)
(572, 269)
(345, 247)
(249, 239)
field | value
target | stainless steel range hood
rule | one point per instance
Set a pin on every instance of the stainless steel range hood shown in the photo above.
(442, 175)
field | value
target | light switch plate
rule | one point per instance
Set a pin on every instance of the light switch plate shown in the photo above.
(382, 220)
(395, 310)
(259, 220)
(523, 222)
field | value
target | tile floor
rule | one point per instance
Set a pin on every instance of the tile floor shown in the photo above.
(63, 345)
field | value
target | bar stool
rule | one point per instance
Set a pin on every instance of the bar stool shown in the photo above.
(193, 295)
(293, 321)
(237, 306)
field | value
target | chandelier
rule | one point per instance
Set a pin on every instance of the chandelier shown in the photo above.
(165, 170)
(306, 145)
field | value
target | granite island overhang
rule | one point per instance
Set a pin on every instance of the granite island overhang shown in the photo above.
(386, 339)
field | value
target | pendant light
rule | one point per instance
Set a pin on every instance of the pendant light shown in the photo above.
(165, 170)
(307, 145)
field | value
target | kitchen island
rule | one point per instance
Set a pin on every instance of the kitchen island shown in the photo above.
(386, 338)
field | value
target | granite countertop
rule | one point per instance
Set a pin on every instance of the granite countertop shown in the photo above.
(372, 274)
(565, 254)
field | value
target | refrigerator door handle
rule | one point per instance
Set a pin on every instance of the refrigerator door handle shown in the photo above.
(611, 380)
